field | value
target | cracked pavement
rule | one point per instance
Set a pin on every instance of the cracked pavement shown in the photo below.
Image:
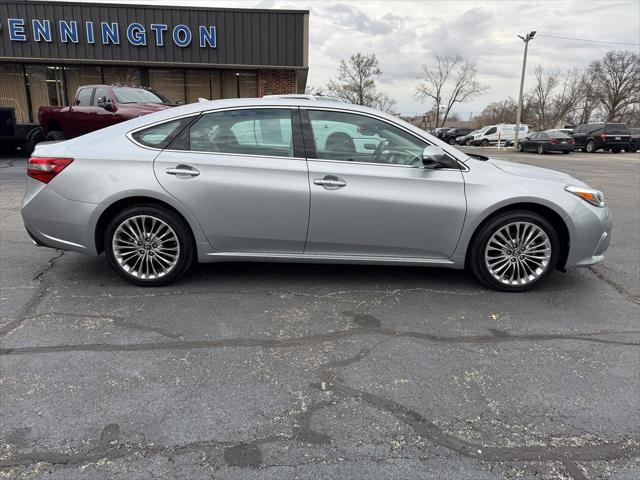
(315, 371)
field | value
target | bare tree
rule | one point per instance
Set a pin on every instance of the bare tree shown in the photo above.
(542, 93)
(617, 75)
(356, 82)
(434, 84)
(384, 102)
(311, 90)
(566, 101)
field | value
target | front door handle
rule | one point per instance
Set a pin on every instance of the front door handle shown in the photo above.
(330, 182)
(183, 171)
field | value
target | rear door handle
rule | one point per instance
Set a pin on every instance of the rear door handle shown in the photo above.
(330, 182)
(183, 171)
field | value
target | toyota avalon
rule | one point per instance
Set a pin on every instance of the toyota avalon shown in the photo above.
(286, 179)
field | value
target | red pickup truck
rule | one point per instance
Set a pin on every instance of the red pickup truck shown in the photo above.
(98, 106)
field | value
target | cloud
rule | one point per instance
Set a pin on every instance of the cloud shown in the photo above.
(406, 34)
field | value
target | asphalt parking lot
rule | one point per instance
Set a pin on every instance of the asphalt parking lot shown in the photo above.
(306, 371)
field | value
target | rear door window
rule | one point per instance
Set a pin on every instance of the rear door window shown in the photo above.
(616, 129)
(264, 131)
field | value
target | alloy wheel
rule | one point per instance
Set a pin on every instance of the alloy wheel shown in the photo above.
(145, 247)
(518, 253)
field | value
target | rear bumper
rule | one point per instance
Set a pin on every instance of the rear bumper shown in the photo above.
(561, 148)
(56, 222)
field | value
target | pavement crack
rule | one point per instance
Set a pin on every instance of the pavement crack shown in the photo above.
(36, 296)
(619, 288)
(318, 338)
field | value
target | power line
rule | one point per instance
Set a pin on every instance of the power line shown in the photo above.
(586, 40)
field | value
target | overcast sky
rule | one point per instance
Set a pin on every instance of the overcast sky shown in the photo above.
(407, 34)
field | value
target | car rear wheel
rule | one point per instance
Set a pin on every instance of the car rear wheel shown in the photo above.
(515, 251)
(467, 142)
(615, 150)
(55, 136)
(540, 149)
(149, 245)
(566, 151)
(590, 147)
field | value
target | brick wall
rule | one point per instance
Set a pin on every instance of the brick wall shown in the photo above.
(276, 82)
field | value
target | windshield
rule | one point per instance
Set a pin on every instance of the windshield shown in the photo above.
(137, 95)
(616, 128)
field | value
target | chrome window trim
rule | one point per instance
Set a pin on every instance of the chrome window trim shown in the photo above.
(130, 133)
(463, 166)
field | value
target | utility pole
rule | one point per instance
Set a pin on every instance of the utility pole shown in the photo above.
(525, 39)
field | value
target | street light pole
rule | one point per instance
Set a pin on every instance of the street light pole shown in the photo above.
(525, 39)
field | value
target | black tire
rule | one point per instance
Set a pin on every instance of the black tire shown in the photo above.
(483, 235)
(541, 149)
(55, 136)
(615, 150)
(633, 147)
(520, 147)
(566, 152)
(186, 254)
(34, 137)
(467, 142)
(452, 141)
(590, 147)
(484, 143)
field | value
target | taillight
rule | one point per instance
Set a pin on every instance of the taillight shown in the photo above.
(553, 141)
(603, 136)
(44, 169)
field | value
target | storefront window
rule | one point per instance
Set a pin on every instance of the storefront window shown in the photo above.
(202, 84)
(248, 85)
(122, 75)
(46, 86)
(169, 82)
(12, 91)
(229, 84)
(79, 76)
(239, 84)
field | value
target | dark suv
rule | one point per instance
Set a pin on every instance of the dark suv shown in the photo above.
(450, 135)
(602, 136)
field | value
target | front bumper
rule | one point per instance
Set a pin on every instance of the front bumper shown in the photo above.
(590, 236)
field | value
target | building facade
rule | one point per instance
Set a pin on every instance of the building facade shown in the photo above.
(48, 50)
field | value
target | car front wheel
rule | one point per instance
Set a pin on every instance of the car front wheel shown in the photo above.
(515, 251)
(149, 245)
(540, 149)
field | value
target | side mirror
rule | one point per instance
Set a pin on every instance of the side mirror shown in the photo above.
(105, 103)
(433, 157)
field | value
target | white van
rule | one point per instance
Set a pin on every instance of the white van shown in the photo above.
(502, 132)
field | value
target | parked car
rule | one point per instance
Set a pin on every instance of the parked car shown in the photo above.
(98, 106)
(634, 144)
(547, 141)
(436, 131)
(466, 139)
(450, 135)
(592, 137)
(494, 133)
(19, 136)
(243, 180)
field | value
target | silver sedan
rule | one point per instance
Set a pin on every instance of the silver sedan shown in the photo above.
(292, 180)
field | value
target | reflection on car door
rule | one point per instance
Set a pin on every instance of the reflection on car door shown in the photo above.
(385, 205)
(240, 174)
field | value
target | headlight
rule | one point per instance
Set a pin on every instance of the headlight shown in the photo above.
(594, 197)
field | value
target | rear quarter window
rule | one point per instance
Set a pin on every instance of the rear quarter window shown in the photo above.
(160, 136)
(616, 128)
